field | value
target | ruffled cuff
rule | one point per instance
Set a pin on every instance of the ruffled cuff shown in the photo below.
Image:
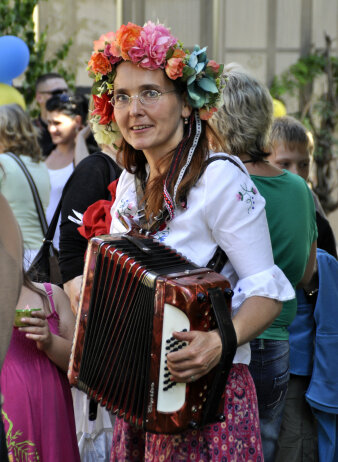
(271, 283)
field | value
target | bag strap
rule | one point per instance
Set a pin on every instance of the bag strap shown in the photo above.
(35, 193)
(219, 259)
(212, 159)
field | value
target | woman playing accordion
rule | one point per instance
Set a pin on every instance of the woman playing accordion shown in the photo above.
(155, 98)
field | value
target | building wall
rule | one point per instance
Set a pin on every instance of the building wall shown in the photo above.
(264, 36)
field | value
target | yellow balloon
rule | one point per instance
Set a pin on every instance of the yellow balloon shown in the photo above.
(279, 109)
(10, 95)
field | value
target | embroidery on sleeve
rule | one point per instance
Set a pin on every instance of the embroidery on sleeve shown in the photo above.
(125, 209)
(248, 196)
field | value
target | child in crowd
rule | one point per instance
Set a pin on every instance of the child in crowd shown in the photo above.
(292, 148)
(37, 410)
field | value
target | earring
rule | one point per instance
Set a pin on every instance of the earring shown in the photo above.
(186, 120)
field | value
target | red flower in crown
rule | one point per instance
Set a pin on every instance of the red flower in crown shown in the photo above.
(103, 108)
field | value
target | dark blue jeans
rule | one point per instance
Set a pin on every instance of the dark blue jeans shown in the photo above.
(269, 368)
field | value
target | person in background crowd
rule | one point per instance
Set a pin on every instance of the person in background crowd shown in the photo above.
(19, 136)
(279, 109)
(159, 118)
(10, 286)
(244, 121)
(88, 184)
(38, 410)
(47, 86)
(292, 149)
(66, 116)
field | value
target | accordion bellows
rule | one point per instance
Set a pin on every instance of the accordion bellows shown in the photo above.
(136, 292)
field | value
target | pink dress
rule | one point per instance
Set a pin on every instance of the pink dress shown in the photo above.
(38, 409)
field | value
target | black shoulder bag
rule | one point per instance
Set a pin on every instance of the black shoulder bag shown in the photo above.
(45, 266)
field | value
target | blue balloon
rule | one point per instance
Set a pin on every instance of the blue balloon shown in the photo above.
(14, 58)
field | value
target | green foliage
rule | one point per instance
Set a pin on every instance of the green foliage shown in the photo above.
(302, 73)
(16, 18)
(318, 112)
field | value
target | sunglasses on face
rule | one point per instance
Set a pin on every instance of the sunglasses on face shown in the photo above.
(56, 92)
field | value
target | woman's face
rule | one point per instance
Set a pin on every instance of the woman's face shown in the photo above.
(155, 129)
(62, 128)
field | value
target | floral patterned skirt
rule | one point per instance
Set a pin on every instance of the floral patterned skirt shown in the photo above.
(235, 440)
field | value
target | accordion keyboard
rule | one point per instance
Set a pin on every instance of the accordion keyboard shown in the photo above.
(171, 395)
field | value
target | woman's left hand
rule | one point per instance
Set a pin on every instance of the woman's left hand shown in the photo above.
(38, 330)
(198, 358)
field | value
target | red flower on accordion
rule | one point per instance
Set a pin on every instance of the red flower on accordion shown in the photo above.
(97, 218)
(104, 109)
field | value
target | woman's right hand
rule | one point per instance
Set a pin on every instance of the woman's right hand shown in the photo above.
(194, 361)
(73, 289)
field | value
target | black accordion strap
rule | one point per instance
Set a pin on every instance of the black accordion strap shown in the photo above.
(212, 159)
(229, 345)
(218, 260)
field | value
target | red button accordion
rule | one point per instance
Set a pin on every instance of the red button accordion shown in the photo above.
(136, 292)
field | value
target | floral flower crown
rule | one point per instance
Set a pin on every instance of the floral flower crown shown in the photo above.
(151, 47)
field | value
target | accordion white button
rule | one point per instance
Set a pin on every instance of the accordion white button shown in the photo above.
(171, 395)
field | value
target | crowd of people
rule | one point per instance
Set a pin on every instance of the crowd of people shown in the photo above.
(194, 155)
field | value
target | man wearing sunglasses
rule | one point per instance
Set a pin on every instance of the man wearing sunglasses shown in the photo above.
(47, 86)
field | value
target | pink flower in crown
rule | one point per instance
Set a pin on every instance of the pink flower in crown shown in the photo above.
(108, 52)
(152, 45)
(214, 66)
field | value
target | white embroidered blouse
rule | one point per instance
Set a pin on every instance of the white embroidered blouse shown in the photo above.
(224, 208)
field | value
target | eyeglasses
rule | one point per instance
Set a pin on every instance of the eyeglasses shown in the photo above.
(146, 97)
(58, 91)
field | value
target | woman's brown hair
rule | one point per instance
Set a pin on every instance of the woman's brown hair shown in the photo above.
(27, 282)
(17, 132)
